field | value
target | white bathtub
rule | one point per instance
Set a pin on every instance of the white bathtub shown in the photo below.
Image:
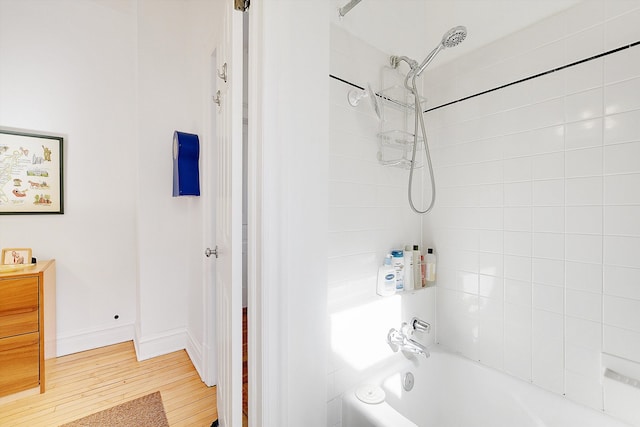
(451, 391)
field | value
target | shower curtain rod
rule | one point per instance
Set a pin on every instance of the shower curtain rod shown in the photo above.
(347, 7)
(600, 55)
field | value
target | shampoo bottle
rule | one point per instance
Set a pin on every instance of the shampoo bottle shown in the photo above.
(397, 260)
(408, 268)
(417, 282)
(431, 266)
(386, 278)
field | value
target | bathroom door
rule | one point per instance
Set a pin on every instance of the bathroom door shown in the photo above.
(229, 222)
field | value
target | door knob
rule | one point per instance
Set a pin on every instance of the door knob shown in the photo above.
(208, 252)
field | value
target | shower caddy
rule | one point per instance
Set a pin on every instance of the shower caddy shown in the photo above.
(396, 106)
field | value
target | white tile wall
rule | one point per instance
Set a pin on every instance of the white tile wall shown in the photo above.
(368, 216)
(559, 255)
(536, 223)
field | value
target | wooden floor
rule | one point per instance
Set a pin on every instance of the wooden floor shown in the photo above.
(83, 383)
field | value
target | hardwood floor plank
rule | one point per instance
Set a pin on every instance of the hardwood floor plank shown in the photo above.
(84, 383)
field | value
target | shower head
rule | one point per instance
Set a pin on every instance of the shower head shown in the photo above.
(451, 38)
(454, 36)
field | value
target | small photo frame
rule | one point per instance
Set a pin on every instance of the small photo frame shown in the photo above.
(13, 256)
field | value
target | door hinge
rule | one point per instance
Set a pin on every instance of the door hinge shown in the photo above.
(241, 5)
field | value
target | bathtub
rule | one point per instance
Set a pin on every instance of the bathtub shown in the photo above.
(452, 391)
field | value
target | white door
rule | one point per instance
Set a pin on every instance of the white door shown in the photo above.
(228, 220)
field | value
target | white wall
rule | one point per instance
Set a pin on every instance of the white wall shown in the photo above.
(69, 67)
(536, 224)
(116, 78)
(369, 215)
(174, 44)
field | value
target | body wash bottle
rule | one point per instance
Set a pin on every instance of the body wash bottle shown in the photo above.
(386, 278)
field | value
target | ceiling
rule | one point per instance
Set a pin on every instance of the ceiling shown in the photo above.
(414, 27)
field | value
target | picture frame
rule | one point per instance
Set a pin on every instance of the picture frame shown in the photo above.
(31, 173)
(16, 256)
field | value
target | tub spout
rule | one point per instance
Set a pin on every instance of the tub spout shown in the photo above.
(397, 340)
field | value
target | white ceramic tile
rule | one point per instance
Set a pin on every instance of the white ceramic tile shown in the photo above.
(584, 361)
(585, 191)
(583, 248)
(585, 44)
(490, 240)
(489, 195)
(467, 282)
(517, 267)
(518, 169)
(584, 220)
(587, 75)
(548, 166)
(486, 218)
(585, 162)
(517, 292)
(491, 287)
(491, 264)
(583, 105)
(622, 281)
(466, 260)
(517, 194)
(548, 219)
(516, 145)
(548, 193)
(548, 245)
(517, 338)
(582, 390)
(622, 189)
(547, 350)
(584, 305)
(622, 220)
(622, 251)
(583, 15)
(517, 219)
(583, 277)
(621, 97)
(584, 333)
(584, 134)
(622, 312)
(548, 271)
(550, 298)
(619, 7)
(517, 243)
(622, 30)
(623, 127)
(622, 343)
(622, 65)
(491, 340)
(546, 140)
(622, 158)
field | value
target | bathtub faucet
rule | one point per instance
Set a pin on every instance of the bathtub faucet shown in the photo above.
(400, 340)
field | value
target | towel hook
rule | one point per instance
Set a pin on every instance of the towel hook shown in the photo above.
(223, 74)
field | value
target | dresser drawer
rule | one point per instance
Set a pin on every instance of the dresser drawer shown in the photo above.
(19, 363)
(18, 306)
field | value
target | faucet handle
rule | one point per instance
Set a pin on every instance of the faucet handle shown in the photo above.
(420, 325)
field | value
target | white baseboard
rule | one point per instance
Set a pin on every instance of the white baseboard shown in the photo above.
(194, 350)
(158, 344)
(93, 338)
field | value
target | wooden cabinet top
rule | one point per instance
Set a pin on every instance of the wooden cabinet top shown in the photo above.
(38, 268)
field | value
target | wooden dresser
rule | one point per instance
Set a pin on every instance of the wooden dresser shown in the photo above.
(27, 326)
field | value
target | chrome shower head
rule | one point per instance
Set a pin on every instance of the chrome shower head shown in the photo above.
(451, 38)
(454, 36)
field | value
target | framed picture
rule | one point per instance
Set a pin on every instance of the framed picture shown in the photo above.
(31, 180)
(13, 256)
